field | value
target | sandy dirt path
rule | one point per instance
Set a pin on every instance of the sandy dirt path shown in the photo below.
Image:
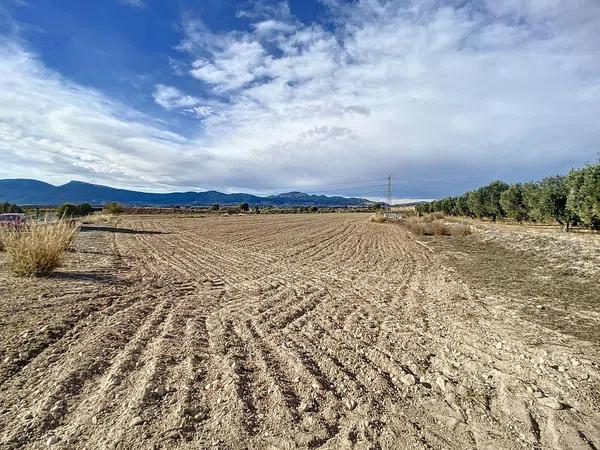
(300, 331)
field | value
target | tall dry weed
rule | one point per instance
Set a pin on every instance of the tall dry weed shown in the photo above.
(460, 229)
(424, 226)
(378, 217)
(433, 216)
(439, 228)
(415, 225)
(37, 248)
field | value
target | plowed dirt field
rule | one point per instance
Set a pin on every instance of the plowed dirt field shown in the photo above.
(281, 331)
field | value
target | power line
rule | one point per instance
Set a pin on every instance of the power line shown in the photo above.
(389, 191)
(356, 183)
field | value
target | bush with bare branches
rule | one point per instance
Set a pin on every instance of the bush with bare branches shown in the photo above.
(378, 217)
(37, 248)
(433, 216)
(425, 226)
(460, 229)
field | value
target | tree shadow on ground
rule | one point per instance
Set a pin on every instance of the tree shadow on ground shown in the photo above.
(99, 277)
(85, 228)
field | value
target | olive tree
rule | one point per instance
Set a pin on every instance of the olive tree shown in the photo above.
(583, 198)
(513, 202)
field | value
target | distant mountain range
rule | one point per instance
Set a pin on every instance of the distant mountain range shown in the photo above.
(33, 192)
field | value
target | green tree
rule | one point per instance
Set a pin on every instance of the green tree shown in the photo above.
(583, 198)
(113, 208)
(485, 201)
(493, 191)
(71, 210)
(531, 198)
(461, 206)
(476, 203)
(85, 209)
(513, 202)
(244, 207)
(66, 210)
(446, 205)
(215, 207)
(552, 201)
(10, 208)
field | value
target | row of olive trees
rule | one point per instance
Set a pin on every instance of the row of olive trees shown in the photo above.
(569, 200)
(70, 210)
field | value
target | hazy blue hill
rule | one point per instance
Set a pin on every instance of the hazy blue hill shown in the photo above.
(22, 191)
(33, 192)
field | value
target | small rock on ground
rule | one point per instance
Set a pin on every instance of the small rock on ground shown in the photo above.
(350, 404)
(137, 421)
(551, 402)
(409, 379)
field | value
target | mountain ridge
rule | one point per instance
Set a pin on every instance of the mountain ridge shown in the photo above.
(23, 191)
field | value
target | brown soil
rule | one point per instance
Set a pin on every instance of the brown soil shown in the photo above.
(303, 331)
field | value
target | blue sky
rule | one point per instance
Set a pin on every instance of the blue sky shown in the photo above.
(322, 96)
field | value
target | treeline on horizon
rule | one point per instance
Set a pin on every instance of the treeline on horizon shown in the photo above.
(571, 200)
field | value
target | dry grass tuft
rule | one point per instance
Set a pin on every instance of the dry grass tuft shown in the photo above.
(37, 249)
(439, 228)
(378, 217)
(424, 226)
(433, 216)
(460, 229)
(415, 225)
(99, 218)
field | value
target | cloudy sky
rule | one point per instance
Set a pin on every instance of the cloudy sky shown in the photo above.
(323, 96)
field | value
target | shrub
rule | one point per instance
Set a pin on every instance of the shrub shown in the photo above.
(436, 227)
(214, 207)
(244, 207)
(378, 217)
(114, 208)
(460, 229)
(70, 210)
(37, 249)
(85, 209)
(415, 225)
(433, 216)
(439, 228)
(66, 210)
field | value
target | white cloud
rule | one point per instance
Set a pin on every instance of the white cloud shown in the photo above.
(508, 91)
(232, 67)
(443, 97)
(53, 129)
(171, 98)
